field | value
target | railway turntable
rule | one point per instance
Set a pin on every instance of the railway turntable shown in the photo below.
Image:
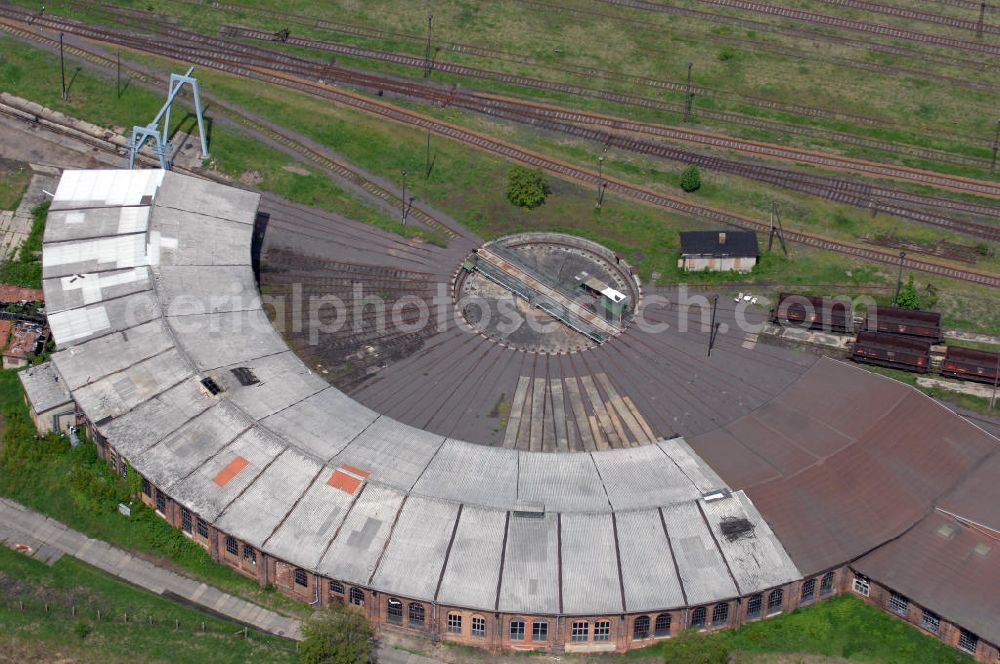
(586, 529)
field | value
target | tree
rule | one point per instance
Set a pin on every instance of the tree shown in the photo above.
(694, 647)
(690, 178)
(526, 187)
(909, 298)
(337, 635)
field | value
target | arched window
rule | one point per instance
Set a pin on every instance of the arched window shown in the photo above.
(394, 611)
(640, 628)
(415, 615)
(455, 623)
(720, 615)
(698, 618)
(774, 601)
(357, 596)
(808, 591)
(661, 627)
(479, 627)
(754, 605)
(826, 584)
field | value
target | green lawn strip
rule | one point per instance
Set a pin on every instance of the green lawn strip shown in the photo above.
(78, 488)
(13, 183)
(838, 627)
(25, 268)
(158, 628)
(33, 73)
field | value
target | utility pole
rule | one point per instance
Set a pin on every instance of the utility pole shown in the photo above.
(982, 15)
(714, 327)
(996, 144)
(427, 156)
(427, 49)
(776, 229)
(62, 66)
(690, 96)
(118, 83)
(899, 278)
(403, 212)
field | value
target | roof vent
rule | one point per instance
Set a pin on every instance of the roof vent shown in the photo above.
(982, 549)
(210, 385)
(527, 509)
(736, 528)
(946, 530)
(245, 376)
(712, 496)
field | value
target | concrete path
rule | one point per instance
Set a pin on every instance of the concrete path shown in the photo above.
(49, 540)
(16, 227)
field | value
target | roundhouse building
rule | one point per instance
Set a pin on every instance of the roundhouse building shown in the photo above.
(845, 482)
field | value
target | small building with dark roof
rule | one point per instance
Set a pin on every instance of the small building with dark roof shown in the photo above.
(718, 251)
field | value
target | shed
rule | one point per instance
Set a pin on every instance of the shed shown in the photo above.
(48, 398)
(718, 251)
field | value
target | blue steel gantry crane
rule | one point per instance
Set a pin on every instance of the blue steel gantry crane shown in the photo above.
(152, 131)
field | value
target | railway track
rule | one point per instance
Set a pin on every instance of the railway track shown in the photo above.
(729, 118)
(318, 158)
(880, 30)
(843, 191)
(915, 15)
(494, 105)
(880, 170)
(578, 174)
(591, 178)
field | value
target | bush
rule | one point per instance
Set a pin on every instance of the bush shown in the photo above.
(726, 54)
(526, 187)
(690, 178)
(693, 647)
(909, 298)
(337, 635)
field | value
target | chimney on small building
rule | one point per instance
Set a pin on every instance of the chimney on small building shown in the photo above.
(722, 238)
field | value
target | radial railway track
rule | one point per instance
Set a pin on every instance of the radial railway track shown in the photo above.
(569, 171)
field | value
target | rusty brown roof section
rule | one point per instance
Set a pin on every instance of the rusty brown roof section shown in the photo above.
(844, 461)
(950, 568)
(10, 294)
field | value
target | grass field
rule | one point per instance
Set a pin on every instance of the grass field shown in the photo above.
(51, 614)
(842, 627)
(14, 179)
(76, 487)
(34, 74)
(25, 267)
(915, 104)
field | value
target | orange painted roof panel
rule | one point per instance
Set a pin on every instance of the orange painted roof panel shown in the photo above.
(231, 470)
(344, 482)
